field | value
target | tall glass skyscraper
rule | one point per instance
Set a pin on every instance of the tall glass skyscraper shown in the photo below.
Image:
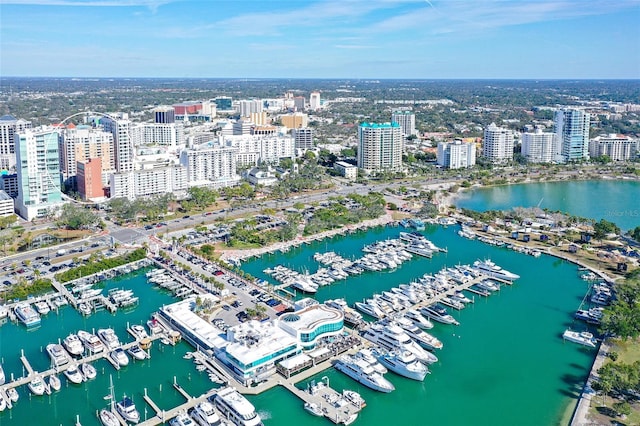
(572, 135)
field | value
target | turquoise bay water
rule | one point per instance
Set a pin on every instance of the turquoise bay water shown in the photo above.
(505, 364)
(612, 200)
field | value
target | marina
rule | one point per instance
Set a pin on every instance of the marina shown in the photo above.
(154, 406)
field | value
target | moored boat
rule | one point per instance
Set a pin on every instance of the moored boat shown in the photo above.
(37, 386)
(236, 408)
(73, 374)
(403, 363)
(354, 398)
(136, 352)
(27, 315)
(438, 313)
(181, 419)
(127, 409)
(490, 269)
(73, 344)
(119, 357)
(54, 382)
(583, 338)
(313, 408)
(205, 415)
(362, 372)
(88, 371)
(109, 338)
(58, 355)
(91, 342)
(13, 395)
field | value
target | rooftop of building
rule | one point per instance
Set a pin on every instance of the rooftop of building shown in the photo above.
(380, 125)
(254, 340)
(181, 312)
(309, 318)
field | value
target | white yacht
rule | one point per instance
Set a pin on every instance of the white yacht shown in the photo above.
(42, 307)
(366, 355)
(354, 398)
(362, 372)
(418, 319)
(27, 315)
(73, 374)
(489, 268)
(403, 363)
(370, 308)
(137, 353)
(54, 382)
(304, 284)
(236, 408)
(127, 410)
(58, 355)
(109, 338)
(91, 342)
(461, 297)
(438, 313)
(423, 338)
(119, 357)
(313, 408)
(583, 338)
(13, 395)
(205, 415)
(139, 332)
(181, 420)
(488, 285)
(73, 344)
(88, 371)
(391, 337)
(37, 386)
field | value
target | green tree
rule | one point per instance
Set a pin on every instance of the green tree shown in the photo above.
(76, 217)
(603, 228)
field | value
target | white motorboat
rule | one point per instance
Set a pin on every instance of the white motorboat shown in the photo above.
(91, 342)
(583, 338)
(88, 371)
(205, 415)
(393, 338)
(27, 315)
(109, 338)
(370, 308)
(37, 386)
(418, 319)
(139, 332)
(403, 363)
(460, 297)
(304, 284)
(42, 307)
(354, 398)
(84, 308)
(73, 344)
(488, 285)
(73, 374)
(591, 316)
(13, 395)
(119, 357)
(182, 419)
(362, 372)
(313, 408)
(423, 338)
(490, 269)
(236, 408)
(366, 355)
(58, 355)
(2, 376)
(438, 313)
(54, 382)
(127, 409)
(136, 352)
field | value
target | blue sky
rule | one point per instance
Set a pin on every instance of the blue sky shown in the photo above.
(321, 39)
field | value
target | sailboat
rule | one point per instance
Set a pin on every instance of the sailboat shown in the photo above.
(107, 417)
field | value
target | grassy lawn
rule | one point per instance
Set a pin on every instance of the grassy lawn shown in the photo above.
(628, 352)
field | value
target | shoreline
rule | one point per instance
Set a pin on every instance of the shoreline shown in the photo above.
(242, 254)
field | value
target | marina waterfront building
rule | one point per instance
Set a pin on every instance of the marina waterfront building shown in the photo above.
(312, 323)
(146, 182)
(407, 121)
(538, 147)
(497, 145)
(120, 127)
(571, 135)
(80, 143)
(39, 177)
(303, 138)
(211, 165)
(9, 126)
(380, 147)
(456, 154)
(616, 147)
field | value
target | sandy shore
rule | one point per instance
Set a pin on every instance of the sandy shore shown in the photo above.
(247, 253)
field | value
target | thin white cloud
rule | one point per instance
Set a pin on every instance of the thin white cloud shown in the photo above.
(153, 4)
(353, 46)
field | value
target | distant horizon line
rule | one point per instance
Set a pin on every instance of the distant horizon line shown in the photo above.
(319, 78)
